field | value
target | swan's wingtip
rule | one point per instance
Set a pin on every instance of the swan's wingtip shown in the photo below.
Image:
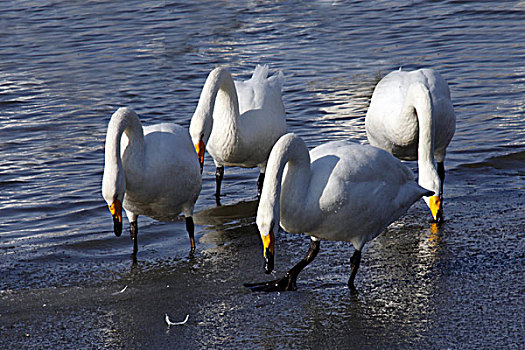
(279, 75)
(277, 79)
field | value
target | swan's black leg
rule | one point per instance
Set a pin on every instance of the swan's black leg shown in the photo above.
(355, 261)
(219, 174)
(441, 174)
(133, 232)
(190, 227)
(260, 182)
(288, 282)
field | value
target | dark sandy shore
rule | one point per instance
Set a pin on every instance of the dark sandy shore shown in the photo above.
(459, 286)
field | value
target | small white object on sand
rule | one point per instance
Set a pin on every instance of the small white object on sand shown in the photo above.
(169, 323)
(121, 291)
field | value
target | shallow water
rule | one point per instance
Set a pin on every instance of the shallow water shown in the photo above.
(66, 66)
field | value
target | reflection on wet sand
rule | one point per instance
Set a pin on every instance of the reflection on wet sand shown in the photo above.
(226, 213)
(221, 221)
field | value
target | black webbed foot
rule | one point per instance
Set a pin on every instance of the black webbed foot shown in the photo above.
(286, 283)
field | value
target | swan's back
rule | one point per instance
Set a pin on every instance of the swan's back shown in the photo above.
(389, 94)
(397, 82)
(261, 92)
(169, 144)
(358, 191)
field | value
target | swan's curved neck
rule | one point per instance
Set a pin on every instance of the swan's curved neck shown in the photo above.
(419, 99)
(123, 121)
(290, 151)
(219, 101)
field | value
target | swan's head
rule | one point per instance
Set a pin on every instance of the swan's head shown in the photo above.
(113, 190)
(268, 224)
(429, 179)
(200, 131)
(268, 240)
(435, 204)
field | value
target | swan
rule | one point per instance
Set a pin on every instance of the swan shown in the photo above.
(411, 116)
(340, 191)
(238, 122)
(152, 171)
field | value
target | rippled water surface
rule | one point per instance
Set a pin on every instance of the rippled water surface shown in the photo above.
(66, 66)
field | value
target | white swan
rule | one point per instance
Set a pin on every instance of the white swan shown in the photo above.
(152, 171)
(412, 117)
(238, 122)
(339, 191)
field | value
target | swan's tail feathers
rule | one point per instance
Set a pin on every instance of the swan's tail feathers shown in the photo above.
(277, 80)
(260, 73)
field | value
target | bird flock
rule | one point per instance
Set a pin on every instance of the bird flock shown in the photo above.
(338, 191)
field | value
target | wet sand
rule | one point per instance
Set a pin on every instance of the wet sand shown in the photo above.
(459, 286)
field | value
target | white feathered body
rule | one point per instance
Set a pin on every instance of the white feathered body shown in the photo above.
(392, 120)
(248, 118)
(162, 172)
(341, 191)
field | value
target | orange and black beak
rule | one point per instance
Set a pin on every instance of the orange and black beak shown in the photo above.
(436, 208)
(116, 212)
(268, 251)
(200, 148)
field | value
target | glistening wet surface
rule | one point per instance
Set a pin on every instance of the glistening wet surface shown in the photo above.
(67, 66)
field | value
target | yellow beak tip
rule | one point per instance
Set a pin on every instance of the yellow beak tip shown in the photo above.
(199, 148)
(268, 243)
(435, 204)
(116, 210)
